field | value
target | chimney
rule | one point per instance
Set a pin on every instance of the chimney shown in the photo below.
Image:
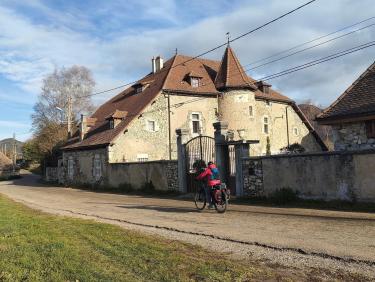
(153, 65)
(158, 63)
(83, 127)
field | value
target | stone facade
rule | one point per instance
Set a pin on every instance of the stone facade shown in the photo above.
(242, 111)
(351, 136)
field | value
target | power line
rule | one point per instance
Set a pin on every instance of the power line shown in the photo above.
(310, 41)
(319, 61)
(311, 47)
(212, 49)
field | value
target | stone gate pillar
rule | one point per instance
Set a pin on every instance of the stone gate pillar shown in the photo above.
(182, 138)
(221, 149)
(242, 150)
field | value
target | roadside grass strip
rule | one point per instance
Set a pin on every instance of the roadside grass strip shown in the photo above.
(39, 247)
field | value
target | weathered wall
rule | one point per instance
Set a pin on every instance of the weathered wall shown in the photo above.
(51, 174)
(328, 176)
(351, 136)
(234, 108)
(138, 141)
(83, 165)
(162, 174)
(8, 173)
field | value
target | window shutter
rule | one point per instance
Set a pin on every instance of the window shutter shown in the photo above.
(370, 129)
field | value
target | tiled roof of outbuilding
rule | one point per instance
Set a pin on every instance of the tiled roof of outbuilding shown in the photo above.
(357, 101)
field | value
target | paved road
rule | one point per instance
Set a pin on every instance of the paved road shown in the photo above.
(342, 234)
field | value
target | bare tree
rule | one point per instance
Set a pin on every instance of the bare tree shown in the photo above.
(65, 94)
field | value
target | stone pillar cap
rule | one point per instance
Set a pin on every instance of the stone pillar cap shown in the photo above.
(182, 131)
(220, 125)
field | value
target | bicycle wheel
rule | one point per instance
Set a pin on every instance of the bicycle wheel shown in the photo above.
(200, 199)
(220, 202)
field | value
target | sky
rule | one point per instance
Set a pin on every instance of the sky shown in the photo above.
(116, 40)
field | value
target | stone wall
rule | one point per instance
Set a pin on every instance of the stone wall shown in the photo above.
(328, 176)
(8, 173)
(83, 161)
(162, 174)
(51, 174)
(351, 136)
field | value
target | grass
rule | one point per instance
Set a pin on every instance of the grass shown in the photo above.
(38, 247)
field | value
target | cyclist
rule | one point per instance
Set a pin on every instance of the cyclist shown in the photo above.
(212, 178)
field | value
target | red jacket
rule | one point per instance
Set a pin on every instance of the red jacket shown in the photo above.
(206, 174)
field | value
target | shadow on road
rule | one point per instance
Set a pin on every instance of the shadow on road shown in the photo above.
(161, 208)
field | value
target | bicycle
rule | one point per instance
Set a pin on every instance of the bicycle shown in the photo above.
(220, 196)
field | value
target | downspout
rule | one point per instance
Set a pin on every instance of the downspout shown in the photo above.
(287, 124)
(169, 128)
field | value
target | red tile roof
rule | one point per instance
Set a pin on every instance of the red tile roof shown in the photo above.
(357, 101)
(171, 78)
(231, 74)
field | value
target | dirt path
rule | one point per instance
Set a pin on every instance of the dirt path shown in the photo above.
(291, 237)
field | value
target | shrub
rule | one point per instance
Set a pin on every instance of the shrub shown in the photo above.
(125, 188)
(284, 196)
(148, 187)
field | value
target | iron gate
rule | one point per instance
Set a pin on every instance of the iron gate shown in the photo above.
(198, 150)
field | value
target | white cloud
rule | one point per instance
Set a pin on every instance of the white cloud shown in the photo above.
(30, 50)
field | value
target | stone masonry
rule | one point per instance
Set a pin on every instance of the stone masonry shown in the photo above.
(253, 177)
(352, 136)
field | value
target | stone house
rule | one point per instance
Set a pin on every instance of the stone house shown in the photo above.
(324, 131)
(140, 123)
(352, 115)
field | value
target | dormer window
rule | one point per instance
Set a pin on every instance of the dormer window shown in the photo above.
(194, 81)
(264, 87)
(139, 89)
(116, 117)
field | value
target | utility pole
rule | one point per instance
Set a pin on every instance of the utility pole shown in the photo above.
(14, 152)
(69, 115)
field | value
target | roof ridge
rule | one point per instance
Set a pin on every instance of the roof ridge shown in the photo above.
(169, 70)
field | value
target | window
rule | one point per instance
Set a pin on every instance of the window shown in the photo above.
(138, 89)
(97, 167)
(151, 125)
(265, 125)
(251, 112)
(370, 128)
(195, 124)
(295, 131)
(111, 124)
(70, 168)
(194, 81)
(142, 157)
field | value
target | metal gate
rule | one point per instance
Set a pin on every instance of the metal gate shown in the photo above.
(198, 151)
